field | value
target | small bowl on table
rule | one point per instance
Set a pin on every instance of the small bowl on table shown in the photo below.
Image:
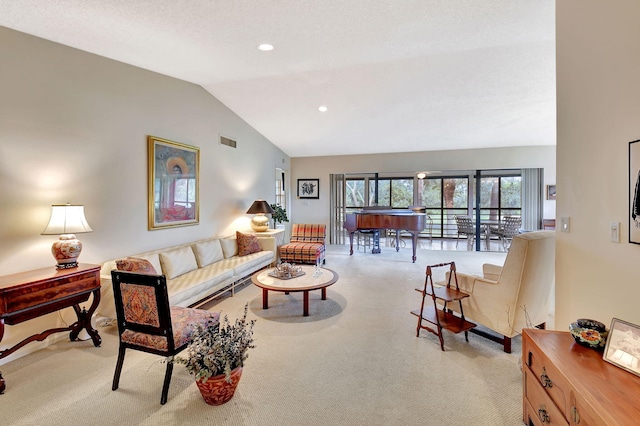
(589, 333)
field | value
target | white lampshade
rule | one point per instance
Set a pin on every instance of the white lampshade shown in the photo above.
(67, 220)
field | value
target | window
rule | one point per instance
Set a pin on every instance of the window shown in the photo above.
(500, 196)
(444, 199)
(355, 190)
(394, 192)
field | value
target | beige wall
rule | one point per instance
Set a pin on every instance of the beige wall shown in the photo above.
(598, 69)
(317, 211)
(73, 128)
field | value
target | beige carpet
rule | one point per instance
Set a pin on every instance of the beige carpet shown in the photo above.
(354, 361)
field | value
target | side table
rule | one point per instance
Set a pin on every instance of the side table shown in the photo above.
(31, 294)
(277, 233)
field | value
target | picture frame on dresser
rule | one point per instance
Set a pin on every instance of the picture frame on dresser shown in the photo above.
(623, 346)
(173, 183)
(309, 188)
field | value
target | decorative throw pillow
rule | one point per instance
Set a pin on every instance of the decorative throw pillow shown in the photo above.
(154, 258)
(134, 264)
(247, 244)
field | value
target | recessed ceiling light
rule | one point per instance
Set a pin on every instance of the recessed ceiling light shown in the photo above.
(322, 108)
(265, 47)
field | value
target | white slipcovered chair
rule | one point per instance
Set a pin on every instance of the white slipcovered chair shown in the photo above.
(514, 296)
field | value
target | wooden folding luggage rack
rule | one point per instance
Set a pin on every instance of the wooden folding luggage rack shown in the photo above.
(438, 319)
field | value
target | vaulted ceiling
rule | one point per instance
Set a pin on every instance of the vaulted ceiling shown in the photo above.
(394, 75)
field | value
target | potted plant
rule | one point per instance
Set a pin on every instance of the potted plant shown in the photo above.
(216, 355)
(279, 214)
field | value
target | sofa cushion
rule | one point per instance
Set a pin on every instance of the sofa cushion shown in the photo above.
(229, 247)
(178, 261)
(247, 244)
(248, 264)
(134, 264)
(189, 288)
(208, 252)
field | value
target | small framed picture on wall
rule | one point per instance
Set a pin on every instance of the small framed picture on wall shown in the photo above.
(551, 192)
(309, 188)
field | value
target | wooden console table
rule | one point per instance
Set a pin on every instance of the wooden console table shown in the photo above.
(31, 294)
(568, 384)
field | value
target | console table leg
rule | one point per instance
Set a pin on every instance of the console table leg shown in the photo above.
(84, 321)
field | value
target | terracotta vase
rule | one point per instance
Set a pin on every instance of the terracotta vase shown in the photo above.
(216, 390)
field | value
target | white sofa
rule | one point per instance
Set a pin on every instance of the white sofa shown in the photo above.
(195, 271)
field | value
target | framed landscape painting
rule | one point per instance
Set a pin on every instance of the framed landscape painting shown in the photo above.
(173, 183)
(309, 188)
(634, 192)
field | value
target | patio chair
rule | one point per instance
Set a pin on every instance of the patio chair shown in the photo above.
(466, 229)
(507, 230)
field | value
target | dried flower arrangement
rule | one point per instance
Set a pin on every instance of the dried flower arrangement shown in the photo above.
(218, 348)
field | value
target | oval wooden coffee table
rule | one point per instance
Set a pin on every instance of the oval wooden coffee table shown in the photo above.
(304, 283)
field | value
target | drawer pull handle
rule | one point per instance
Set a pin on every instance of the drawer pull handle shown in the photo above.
(545, 380)
(544, 416)
(575, 414)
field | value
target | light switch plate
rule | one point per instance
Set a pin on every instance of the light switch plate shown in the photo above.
(614, 230)
(564, 224)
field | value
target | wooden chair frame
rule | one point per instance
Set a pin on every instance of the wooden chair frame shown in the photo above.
(164, 329)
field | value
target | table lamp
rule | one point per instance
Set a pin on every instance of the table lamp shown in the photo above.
(66, 220)
(260, 222)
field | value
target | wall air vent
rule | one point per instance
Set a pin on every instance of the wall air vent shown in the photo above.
(228, 142)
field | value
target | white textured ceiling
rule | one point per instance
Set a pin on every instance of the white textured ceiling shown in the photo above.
(396, 75)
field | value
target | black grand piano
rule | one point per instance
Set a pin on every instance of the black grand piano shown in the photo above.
(412, 220)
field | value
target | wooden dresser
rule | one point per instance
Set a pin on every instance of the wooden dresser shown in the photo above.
(567, 384)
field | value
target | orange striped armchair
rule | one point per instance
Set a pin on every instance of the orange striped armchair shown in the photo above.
(306, 246)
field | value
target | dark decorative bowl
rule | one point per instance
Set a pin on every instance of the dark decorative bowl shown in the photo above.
(589, 333)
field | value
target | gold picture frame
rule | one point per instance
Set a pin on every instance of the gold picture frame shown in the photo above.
(174, 186)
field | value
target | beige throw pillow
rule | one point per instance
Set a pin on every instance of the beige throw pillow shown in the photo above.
(229, 247)
(178, 262)
(208, 252)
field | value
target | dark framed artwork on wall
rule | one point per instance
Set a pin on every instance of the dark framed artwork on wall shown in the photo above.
(309, 188)
(173, 183)
(634, 192)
